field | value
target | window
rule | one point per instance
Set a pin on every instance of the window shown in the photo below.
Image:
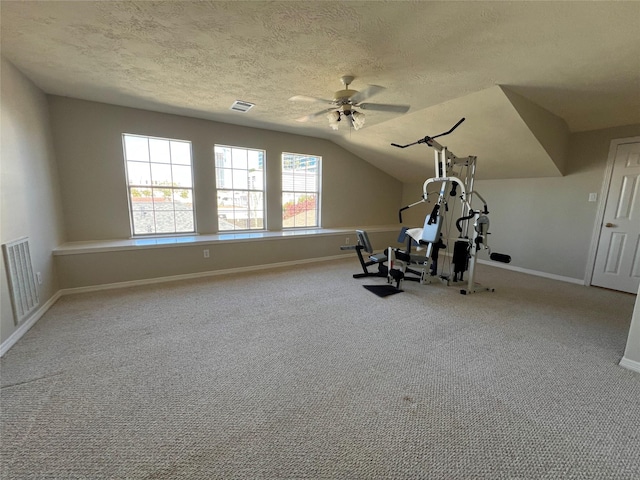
(300, 190)
(160, 182)
(240, 187)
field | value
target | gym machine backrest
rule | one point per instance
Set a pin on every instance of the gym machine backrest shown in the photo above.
(363, 239)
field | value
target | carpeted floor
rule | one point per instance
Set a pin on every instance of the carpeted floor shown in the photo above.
(302, 373)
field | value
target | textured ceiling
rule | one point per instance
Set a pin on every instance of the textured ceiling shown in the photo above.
(578, 60)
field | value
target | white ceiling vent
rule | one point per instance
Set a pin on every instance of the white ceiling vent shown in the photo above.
(240, 106)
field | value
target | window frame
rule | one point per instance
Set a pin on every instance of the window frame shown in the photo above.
(149, 161)
(317, 192)
(249, 190)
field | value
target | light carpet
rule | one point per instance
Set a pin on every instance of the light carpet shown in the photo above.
(302, 373)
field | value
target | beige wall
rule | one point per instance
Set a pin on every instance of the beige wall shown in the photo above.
(29, 194)
(632, 352)
(550, 130)
(545, 224)
(88, 140)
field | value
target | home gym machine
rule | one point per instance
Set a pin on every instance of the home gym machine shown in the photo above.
(472, 225)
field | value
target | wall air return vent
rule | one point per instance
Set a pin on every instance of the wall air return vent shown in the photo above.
(240, 106)
(22, 285)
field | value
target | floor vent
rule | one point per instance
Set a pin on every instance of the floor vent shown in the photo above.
(22, 285)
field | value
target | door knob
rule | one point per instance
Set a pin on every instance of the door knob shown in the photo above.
(609, 225)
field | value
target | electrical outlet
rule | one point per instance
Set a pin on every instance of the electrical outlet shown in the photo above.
(206, 253)
(593, 197)
(39, 277)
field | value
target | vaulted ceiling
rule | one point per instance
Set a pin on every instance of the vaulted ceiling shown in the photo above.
(523, 74)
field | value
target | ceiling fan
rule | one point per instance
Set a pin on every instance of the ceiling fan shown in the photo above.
(347, 104)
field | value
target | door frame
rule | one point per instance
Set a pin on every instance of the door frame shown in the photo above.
(602, 203)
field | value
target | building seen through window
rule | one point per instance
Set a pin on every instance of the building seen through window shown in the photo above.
(240, 188)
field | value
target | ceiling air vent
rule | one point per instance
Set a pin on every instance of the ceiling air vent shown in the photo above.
(240, 106)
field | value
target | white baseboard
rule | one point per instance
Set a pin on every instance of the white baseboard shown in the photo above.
(552, 276)
(28, 323)
(630, 364)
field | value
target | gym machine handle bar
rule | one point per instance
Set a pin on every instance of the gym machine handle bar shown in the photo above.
(427, 139)
(400, 212)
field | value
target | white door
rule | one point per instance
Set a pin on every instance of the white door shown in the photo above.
(617, 263)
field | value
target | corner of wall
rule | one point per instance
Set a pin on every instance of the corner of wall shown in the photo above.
(28, 159)
(551, 131)
(631, 357)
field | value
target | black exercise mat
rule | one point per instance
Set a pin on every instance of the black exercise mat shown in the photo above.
(383, 290)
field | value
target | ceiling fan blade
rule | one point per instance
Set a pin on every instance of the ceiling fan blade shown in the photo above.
(305, 98)
(384, 107)
(370, 91)
(315, 115)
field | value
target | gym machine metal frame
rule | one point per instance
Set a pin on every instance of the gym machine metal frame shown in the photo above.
(446, 161)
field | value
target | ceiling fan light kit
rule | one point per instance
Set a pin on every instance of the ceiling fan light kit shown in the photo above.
(345, 102)
(334, 118)
(358, 120)
(355, 118)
